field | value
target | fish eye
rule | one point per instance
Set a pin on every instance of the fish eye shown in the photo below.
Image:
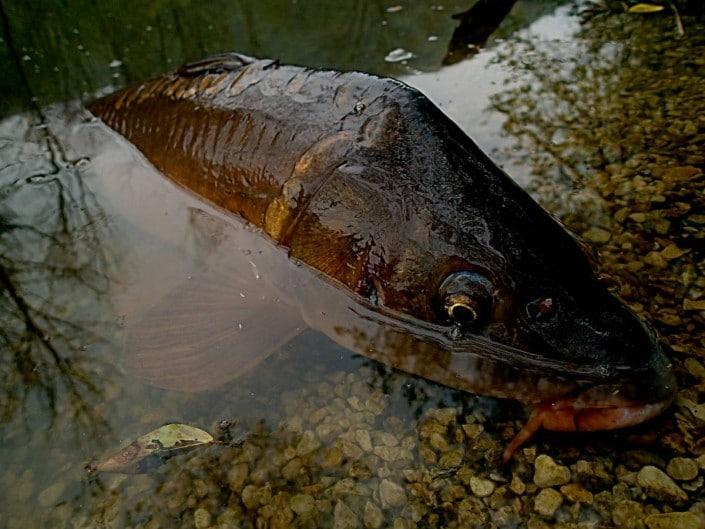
(540, 308)
(466, 297)
(461, 309)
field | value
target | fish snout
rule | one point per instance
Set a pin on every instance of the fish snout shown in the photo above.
(637, 397)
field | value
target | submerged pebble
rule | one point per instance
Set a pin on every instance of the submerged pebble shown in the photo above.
(547, 502)
(657, 484)
(548, 473)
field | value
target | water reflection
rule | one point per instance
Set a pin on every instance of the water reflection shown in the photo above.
(84, 46)
(475, 27)
(54, 276)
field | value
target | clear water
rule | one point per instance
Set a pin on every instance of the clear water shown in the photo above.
(582, 114)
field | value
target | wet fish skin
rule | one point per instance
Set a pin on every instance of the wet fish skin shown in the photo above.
(366, 180)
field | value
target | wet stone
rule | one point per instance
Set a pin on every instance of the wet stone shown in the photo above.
(201, 519)
(576, 493)
(394, 453)
(291, 470)
(635, 459)
(451, 459)
(517, 486)
(593, 472)
(344, 517)
(385, 438)
(363, 439)
(349, 449)
(333, 456)
(628, 514)
(49, 496)
(597, 235)
(481, 487)
(682, 469)
(443, 416)
(657, 484)
(250, 496)
(473, 430)
(307, 444)
(372, 516)
(391, 494)
(548, 473)
(547, 502)
(439, 442)
(302, 503)
(675, 520)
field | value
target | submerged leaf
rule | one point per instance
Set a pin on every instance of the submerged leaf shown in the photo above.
(153, 448)
(645, 8)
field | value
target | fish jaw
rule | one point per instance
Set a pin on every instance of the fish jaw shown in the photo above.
(587, 413)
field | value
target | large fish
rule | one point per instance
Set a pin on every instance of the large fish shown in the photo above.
(411, 247)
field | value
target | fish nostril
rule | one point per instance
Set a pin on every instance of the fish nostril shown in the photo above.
(540, 308)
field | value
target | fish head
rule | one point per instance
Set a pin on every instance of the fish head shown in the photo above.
(482, 258)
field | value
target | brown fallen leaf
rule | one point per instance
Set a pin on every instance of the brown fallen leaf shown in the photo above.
(150, 450)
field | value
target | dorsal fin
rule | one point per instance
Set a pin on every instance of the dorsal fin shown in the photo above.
(221, 63)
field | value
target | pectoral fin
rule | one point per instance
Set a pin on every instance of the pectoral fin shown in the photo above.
(215, 327)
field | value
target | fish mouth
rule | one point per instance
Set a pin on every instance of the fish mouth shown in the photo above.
(600, 408)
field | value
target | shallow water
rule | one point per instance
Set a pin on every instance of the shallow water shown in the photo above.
(603, 121)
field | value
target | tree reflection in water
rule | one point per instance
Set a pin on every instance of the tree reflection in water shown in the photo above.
(54, 276)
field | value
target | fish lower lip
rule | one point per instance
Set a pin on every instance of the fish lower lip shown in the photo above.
(570, 415)
(593, 419)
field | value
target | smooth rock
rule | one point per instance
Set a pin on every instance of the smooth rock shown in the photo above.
(391, 494)
(628, 514)
(201, 519)
(675, 520)
(451, 459)
(598, 235)
(363, 439)
(333, 455)
(372, 517)
(481, 487)
(301, 503)
(237, 476)
(547, 502)
(657, 484)
(682, 469)
(439, 442)
(344, 517)
(517, 486)
(291, 469)
(548, 473)
(576, 493)
(307, 444)
(49, 496)
(443, 416)
(250, 496)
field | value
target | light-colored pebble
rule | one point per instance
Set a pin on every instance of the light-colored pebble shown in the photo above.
(391, 494)
(372, 517)
(675, 520)
(547, 502)
(548, 473)
(657, 484)
(682, 469)
(481, 487)
(344, 517)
